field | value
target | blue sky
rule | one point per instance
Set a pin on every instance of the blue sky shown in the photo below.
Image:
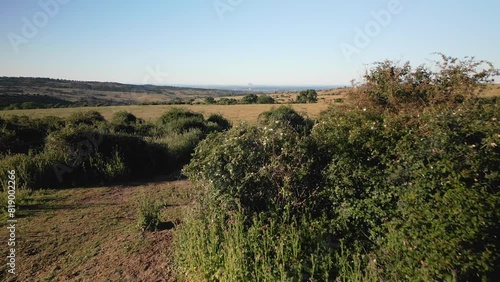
(236, 42)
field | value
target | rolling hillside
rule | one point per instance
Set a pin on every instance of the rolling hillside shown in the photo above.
(49, 92)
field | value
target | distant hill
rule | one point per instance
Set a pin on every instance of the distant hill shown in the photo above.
(22, 101)
(48, 92)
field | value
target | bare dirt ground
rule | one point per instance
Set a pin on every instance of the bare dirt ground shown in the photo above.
(91, 234)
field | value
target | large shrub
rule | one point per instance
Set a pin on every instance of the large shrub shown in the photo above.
(222, 123)
(400, 87)
(180, 145)
(307, 96)
(265, 99)
(412, 196)
(90, 118)
(178, 120)
(33, 171)
(285, 116)
(87, 150)
(261, 187)
(419, 193)
(263, 169)
(140, 158)
(360, 189)
(125, 122)
(20, 134)
(448, 213)
(177, 113)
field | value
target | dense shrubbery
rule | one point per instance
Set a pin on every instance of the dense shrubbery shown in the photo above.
(220, 121)
(417, 194)
(287, 117)
(247, 99)
(20, 134)
(32, 170)
(364, 195)
(91, 118)
(86, 149)
(450, 83)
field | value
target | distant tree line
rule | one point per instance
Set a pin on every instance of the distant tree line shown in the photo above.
(248, 99)
(306, 96)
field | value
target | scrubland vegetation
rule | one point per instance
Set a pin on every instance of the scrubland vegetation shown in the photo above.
(86, 149)
(398, 183)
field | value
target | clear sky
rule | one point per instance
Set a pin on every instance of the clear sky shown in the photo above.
(236, 42)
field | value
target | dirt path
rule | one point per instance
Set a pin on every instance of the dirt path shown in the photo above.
(90, 234)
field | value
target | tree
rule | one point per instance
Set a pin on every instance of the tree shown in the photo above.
(209, 100)
(226, 101)
(265, 99)
(307, 96)
(249, 99)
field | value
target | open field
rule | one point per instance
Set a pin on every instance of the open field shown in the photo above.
(492, 90)
(235, 113)
(329, 96)
(88, 234)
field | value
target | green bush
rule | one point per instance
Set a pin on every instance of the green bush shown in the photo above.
(210, 100)
(175, 114)
(33, 171)
(249, 99)
(227, 101)
(141, 158)
(358, 186)
(396, 197)
(285, 116)
(178, 120)
(123, 117)
(125, 122)
(181, 145)
(148, 212)
(221, 122)
(20, 134)
(90, 118)
(265, 99)
(307, 96)
(449, 168)
(418, 193)
(263, 169)
(87, 150)
(401, 88)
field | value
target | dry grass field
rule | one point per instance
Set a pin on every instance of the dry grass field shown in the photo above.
(492, 90)
(235, 113)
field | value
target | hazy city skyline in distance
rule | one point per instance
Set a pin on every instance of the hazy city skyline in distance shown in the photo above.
(237, 42)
